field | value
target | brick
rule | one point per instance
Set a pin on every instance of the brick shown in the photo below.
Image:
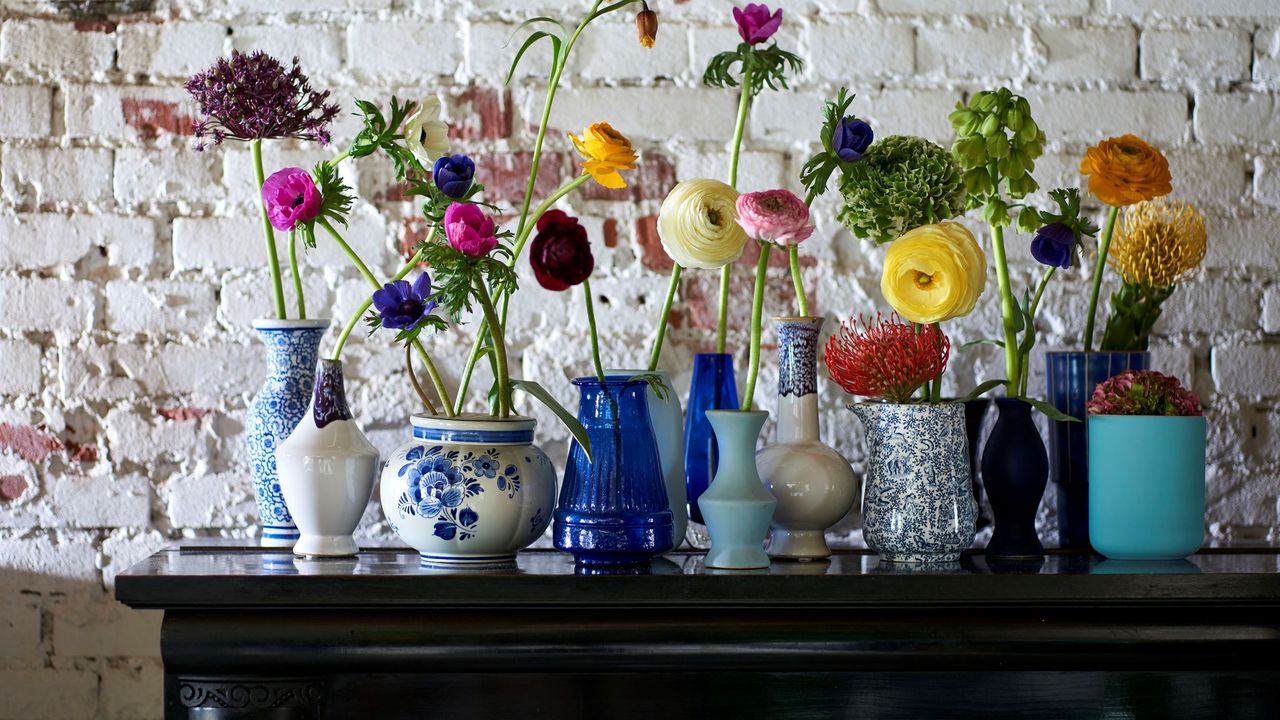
(241, 179)
(236, 7)
(62, 306)
(1194, 8)
(159, 306)
(45, 240)
(1199, 305)
(1271, 310)
(1237, 118)
(964, 52)
(859, 49)
(110, 372)
(1266, 58)
(49, 694)
(506, 175)
(126, 547)
(611, 51)
(492, 48)
(218, 243)
(128, 113)
(1266, 180)
(1094, 53)
(481, 113)
(19, 628)
(63, 175)
(55, 48)
(170, 49)
(317, 47)
(1208, 177)
(219, 500)
(786, 116)
(26, 111)
(649, 113)
(378, 48)
(1181, 54)
(984, 7)
(143, 176)
(132, 691)
(95, 502)
(1089, 115)
(245, 299)
(652, 180)
(43, 562)
(96, 626)
(20, 371)
(205, 372)
(1246, 369)
(757, 169)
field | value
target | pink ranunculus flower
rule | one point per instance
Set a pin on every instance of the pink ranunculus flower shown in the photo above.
(755, 23)
(469, 229)
(291, 197)
(774, 216)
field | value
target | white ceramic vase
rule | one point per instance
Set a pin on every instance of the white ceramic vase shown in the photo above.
(667, 418)
(327, 468)
(815, 486)
(471, 490)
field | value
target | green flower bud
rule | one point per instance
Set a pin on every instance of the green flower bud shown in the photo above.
(983, 102)
(990, 126)
(1029, 131)
(995, 212)
(970, 151)
(961, 117)
(997, 146)
(1029, 220)
(1013, 118)
(978, 182)
(1022, 185)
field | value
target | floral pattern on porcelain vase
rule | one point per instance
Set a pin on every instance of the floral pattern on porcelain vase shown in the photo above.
(918, 505)
(470, 490)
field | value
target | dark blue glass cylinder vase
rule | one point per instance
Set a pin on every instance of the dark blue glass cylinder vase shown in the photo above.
(1071, 379)
(613, 507)
(713, 388)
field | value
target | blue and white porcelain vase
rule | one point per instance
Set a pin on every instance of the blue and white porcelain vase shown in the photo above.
(327, 467)
(292, 348)
(918, 504)
(667, 419)
(737, 507)
(814, 485)
(712, 388)
(469, 491)
(613, 507)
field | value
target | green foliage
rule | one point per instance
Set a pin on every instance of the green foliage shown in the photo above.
(431, 322)
(817, 171)
(558, 55)
(655, 383)
(997, 144)
(901, 182)
(1135, 308)
(767, 68)
(385, 134)
(336, 201)
(454, 275)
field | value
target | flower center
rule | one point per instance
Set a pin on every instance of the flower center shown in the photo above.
(713, 215)
(298, 200)
(410, 307)
(924, 281)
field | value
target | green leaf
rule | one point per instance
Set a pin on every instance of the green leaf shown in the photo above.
(983, 341)
(982, 389)
(532, 21)
(1029, 323)
(529, 41)
(655, 383)
(1050, 411)
(578, 432)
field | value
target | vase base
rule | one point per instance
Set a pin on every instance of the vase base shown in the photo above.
(737, 558)
(798, 545)
(326, 546)
(921, 558)
(468, 561)
(279, 536)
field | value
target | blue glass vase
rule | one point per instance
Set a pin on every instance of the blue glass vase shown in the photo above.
(1015, 471)
(1071, 379)
(613, 507)
(713, 388)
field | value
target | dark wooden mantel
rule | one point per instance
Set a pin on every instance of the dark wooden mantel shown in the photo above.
(252, 633)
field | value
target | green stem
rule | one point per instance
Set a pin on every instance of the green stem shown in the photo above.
(413, 379)
(735, 149)
(1025, 362)
(351, 254)
(1007, 308)
(665, 317)
(935, 387)
(757, 307)
(499, 348)
(797, 280)
(297, 279)
(337, 159)
(722, 314)
(522, 236)
(273, 259)
(595, 335)
(1104, 247)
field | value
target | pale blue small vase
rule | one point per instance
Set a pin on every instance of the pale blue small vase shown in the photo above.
(737, 507)
(1146, 486)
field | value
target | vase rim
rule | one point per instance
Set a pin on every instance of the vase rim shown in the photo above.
(885, 403)
(609, 381)
(291, 324)
(816, 319)
(632, 372)
(474, 422)
(1157, 418)
(744, 413)
(1097, 352)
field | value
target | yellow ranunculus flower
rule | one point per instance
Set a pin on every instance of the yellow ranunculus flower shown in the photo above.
(607, 151)
(1126, 170)
(934, 273)
(698, 224)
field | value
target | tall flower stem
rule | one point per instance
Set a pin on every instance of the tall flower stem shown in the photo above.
(1104, 247)
(722, 314)
(735, 149)
(499, 347)
(757, 308)
(595, 334)
(802, 302)
(273, 259)
(297, 278)
(665, 318)
(1012, 369)
(413, 378)
(1035, 305)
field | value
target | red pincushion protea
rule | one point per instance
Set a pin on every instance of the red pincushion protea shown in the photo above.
(885, 359)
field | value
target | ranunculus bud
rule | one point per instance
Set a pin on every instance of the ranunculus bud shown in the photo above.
(291, 197)
(647, 26)
(560, 253)
(453, 175)
(469, 229)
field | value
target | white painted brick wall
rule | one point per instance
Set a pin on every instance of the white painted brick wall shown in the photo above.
(131, 267)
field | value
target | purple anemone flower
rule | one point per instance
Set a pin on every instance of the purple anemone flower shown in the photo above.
(1053, 245)
(755, 23)
(852, 138)
(291, 197)
(453, 175)
(401, 305)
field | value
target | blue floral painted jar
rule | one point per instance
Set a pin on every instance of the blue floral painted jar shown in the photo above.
(470, 490)
(918, 503)
(292, 349)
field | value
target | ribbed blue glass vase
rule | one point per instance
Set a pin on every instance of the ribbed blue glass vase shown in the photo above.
(613, 507)
(713, 388)
(1071, 379)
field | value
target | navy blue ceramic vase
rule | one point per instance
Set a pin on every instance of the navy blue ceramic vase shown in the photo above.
(1071, 379)
(713, 388)
(1015, 471)
(613, 507)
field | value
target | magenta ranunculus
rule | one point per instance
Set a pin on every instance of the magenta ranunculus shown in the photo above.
(755, 23)
(774, 216)
(291, 197)
(469, 229)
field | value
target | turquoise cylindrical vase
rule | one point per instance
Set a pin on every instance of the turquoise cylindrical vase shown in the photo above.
(1146, 486)
(736, 507)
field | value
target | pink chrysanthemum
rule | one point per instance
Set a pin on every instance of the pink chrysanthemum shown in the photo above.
(1143, 392)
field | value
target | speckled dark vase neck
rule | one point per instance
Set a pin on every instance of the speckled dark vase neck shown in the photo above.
(797, 354)
(330, 402)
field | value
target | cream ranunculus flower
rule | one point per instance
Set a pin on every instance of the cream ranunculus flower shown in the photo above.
(934, 273)
(425, 134)
(698, 224)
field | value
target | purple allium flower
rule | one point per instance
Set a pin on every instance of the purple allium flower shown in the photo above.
(253, 97)
(401, 305)
(755, 23)
(1054, 245)
(469, 229)
(852, 138)
(453, 175)
(291, 197)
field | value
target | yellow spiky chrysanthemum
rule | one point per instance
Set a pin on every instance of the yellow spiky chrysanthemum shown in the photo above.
(1158, 243)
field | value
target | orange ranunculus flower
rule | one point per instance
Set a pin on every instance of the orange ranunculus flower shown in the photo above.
(1126, 170)
(606, 151)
